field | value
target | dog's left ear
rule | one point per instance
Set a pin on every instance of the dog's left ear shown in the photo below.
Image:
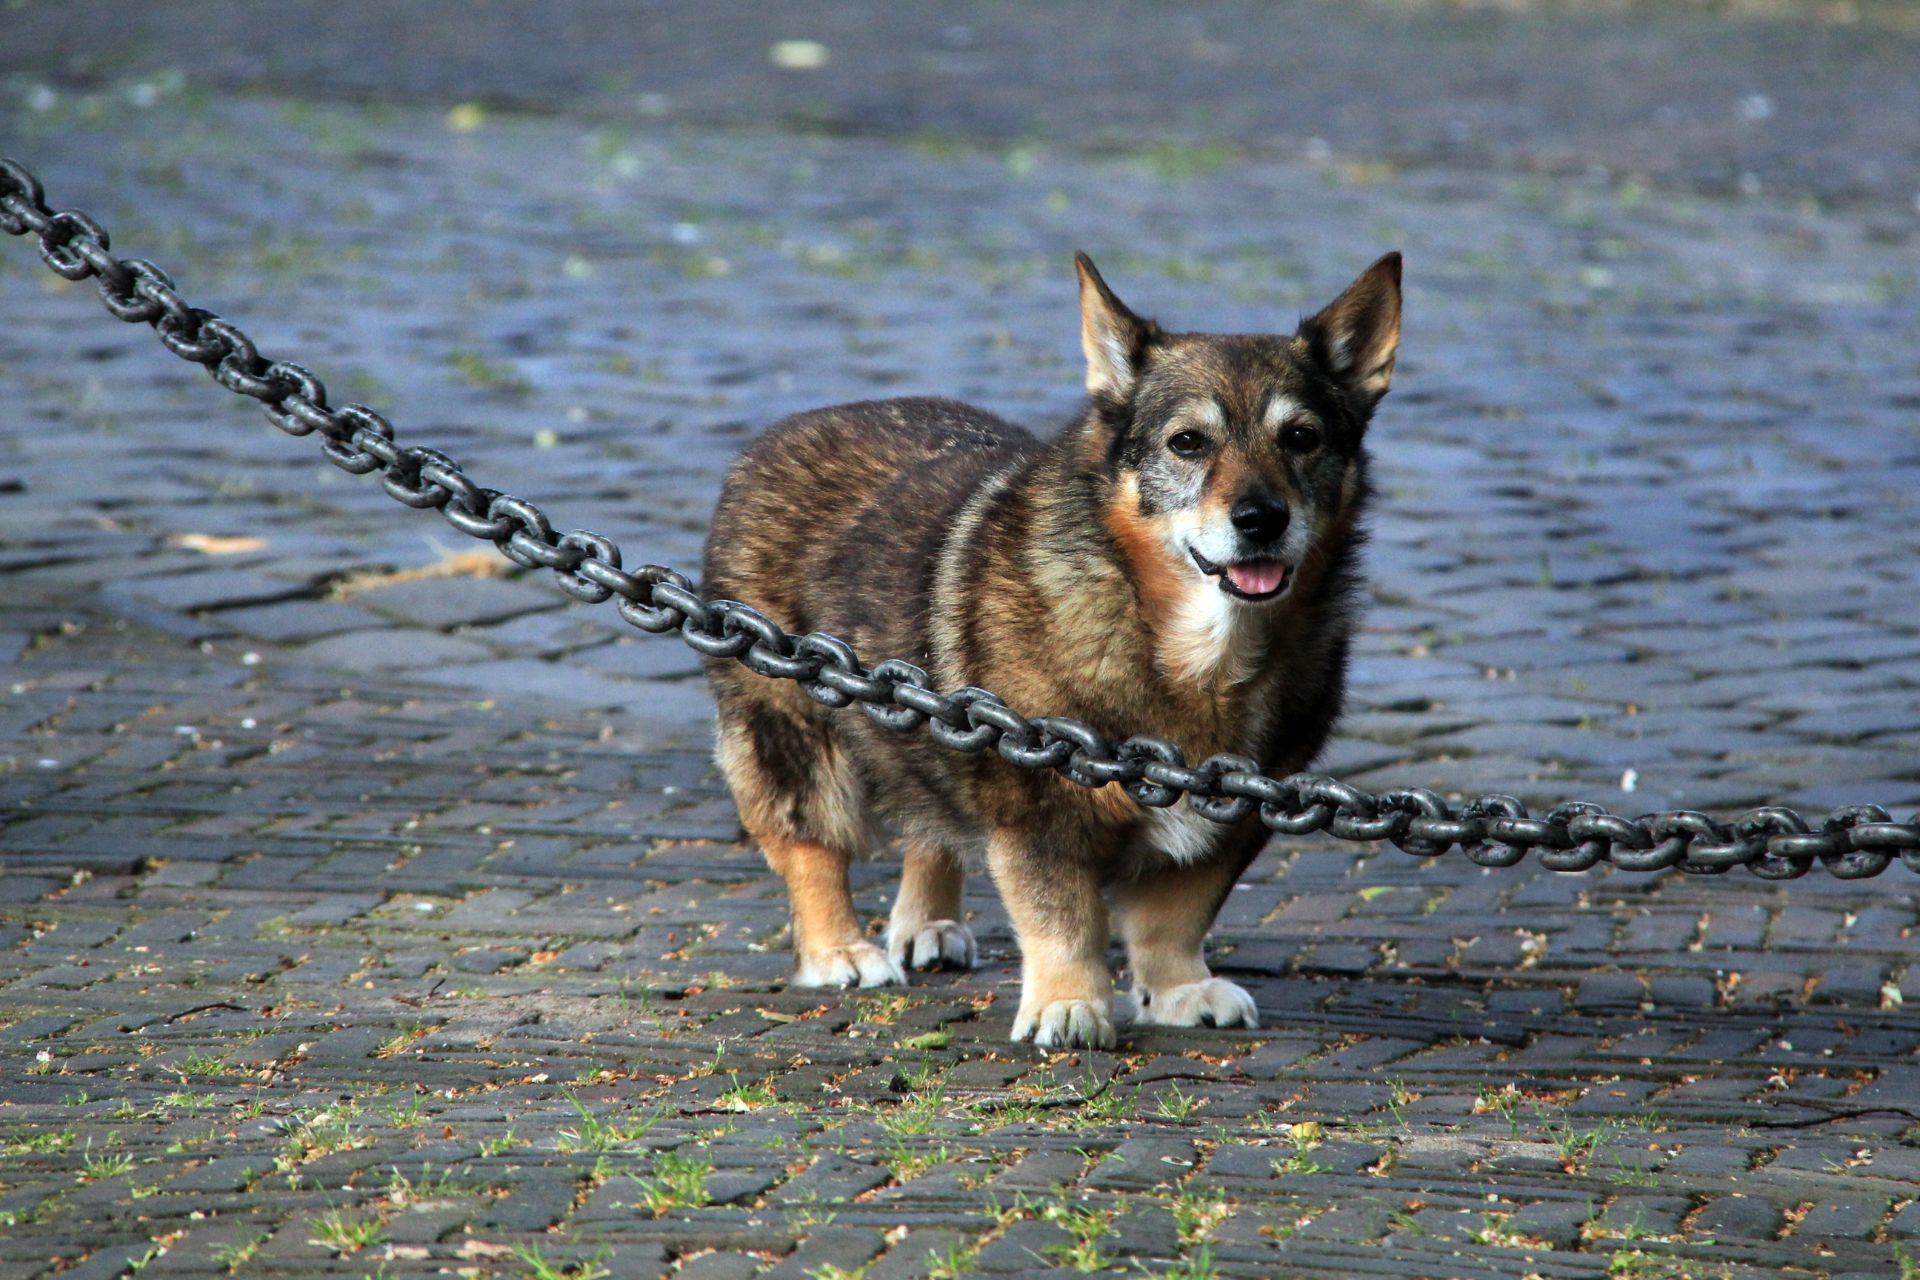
(1357, 336)
(1115, 339)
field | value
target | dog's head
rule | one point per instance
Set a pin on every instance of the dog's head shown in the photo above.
(1237, 460)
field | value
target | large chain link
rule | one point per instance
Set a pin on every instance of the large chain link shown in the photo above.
(1493, 830)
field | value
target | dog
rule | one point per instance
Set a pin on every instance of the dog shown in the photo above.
(1180, 560)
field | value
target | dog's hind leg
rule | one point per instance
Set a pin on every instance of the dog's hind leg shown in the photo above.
(828, 946)
(1164, 918)
(798, 798)
(925, 930)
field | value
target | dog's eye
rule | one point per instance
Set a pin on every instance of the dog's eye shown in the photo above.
(1299, 438)
(1189, 444)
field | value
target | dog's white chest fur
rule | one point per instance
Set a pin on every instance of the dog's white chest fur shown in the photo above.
(1210, 638)
(1181, 834)
(1210, 642)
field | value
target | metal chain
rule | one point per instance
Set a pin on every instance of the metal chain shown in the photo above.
(1494, 830)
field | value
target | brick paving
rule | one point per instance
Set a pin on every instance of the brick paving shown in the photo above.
(366, 909)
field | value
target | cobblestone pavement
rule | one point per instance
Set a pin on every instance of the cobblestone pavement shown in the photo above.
(368, 910)
(1817, 97)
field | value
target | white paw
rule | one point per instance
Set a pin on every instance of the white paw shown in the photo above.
(1066, 1024)
(855, 964)
(1214, 1002)
(937, 944)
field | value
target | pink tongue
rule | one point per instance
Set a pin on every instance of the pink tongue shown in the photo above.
(1257, 577)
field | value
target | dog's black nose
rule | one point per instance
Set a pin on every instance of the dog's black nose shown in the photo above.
(1260, 516)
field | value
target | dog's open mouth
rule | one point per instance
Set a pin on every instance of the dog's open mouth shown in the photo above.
(1247, 579)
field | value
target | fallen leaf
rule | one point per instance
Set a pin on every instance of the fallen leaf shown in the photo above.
(465, 117)
(214, 544)
(451, 564)
(930, 1040)
(798, 55)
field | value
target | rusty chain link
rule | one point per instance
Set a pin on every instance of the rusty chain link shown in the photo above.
(1494, 830)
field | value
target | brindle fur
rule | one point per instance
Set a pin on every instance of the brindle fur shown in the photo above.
(1050, 572)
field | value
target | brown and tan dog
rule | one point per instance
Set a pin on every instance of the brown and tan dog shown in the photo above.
(1180, 561)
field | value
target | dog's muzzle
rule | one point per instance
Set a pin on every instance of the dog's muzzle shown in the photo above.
(1247, 579)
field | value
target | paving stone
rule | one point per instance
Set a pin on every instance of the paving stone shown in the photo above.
(917, 1254)
(831, 1179)
(660, 702)
(1022, 1247)
(384, 649)
(297, 620)
(208, 589)
(645, 658)
(1739, 1216)
(1848, 1218)
(438, 603)
(719, 1266)
(846, 1248)
(1142, 1163)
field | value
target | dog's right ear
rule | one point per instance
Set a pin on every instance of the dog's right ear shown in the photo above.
(1115, 339)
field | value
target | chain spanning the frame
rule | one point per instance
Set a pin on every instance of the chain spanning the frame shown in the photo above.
(1494, 830)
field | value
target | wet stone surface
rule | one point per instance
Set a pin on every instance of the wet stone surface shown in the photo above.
(367, 908)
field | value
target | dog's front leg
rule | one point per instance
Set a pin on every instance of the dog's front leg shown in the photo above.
(1066, 993)
(1164, 918)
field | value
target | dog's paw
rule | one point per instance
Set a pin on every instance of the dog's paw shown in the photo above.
(1066, 1024)
(937, 944)
(854, 964)
(1214, 1002)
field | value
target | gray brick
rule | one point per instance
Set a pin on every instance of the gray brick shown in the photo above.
(457, 601)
